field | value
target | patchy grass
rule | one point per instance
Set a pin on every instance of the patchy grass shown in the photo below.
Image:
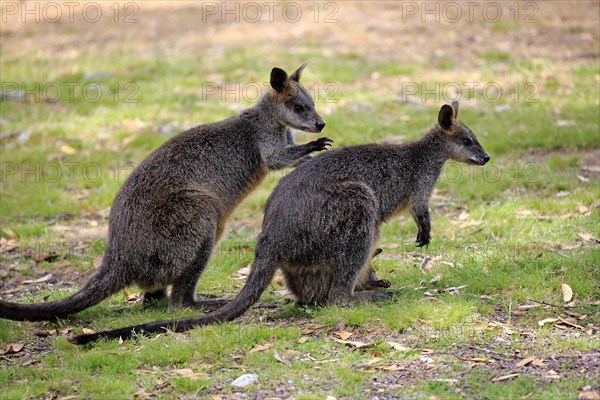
(507, 235)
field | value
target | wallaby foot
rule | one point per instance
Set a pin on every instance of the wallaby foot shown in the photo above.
(155, 296)
(373, 284)
(369, 279)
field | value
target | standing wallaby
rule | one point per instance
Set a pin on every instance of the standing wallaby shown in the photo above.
(172, 209)
(322, 220)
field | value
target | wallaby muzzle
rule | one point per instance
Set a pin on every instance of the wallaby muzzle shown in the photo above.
(320, 125)
(480, 159)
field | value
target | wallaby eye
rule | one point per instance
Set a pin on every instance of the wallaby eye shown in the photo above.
(298, 108)
(468, 142)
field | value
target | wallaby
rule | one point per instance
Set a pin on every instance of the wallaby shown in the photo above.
(322, 220)
(171, 210)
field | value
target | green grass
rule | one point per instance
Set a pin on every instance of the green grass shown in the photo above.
(519, 240)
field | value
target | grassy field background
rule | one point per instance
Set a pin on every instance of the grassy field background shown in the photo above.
(84, 101)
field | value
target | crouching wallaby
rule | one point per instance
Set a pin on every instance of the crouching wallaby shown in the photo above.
(321, 222)
(172, 209)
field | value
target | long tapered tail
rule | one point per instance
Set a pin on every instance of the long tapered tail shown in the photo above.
(98, 288)
(259, 279)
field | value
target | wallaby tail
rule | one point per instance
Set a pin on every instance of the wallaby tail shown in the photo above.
(99, 287)
(259, 279)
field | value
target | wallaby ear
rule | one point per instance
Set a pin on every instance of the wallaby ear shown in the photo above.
(455, 107)
(446, 116)
(298, 73)
(279, 79)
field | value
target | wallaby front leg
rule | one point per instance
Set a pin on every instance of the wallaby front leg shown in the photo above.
(291, 154)
(421, 216)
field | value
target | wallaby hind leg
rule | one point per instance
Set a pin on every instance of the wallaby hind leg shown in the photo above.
(368, 279)
(184, 287)
(155, 296)
(342, 287)
(309, 286)
(348, 268)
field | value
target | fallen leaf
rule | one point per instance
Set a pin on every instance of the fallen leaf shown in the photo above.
(312, 329)
(190, 374)
(244, 380)
(398, 346)
(132, 297)
(585, 236)
(525, 361)
(427, 351)
(477, 360)
(65, 148)
(570, 322)
(538, 363)
(87, 331)
(143, 394)
(14, 348)
(281, 360)
(546, 321)
(260, 347)
(591, 168)
(327, 361)
(344, 335)
(529, 306)
(302, 339)
(242, 273)
(582, 178)
(393, 367)
(453, 290)
(161, 384)
(357, 345)
(9, 233)
(563, 123)
(504, 377)
(552, 375)
(436, 278)
(582, 209)
(588, 395)
(44, 278)
(374, 360)
(567, 292)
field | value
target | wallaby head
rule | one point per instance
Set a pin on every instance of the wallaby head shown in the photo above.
(295, 107)
(461, 143)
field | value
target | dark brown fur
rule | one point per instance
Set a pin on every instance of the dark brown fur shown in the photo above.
(166, 218)
(322, 220)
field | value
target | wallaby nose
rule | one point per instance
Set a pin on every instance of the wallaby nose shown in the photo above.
(486, 158)
(320, 125)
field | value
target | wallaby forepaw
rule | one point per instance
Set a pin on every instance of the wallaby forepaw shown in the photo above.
(321, 144)
(423, 239)
(383, 283)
